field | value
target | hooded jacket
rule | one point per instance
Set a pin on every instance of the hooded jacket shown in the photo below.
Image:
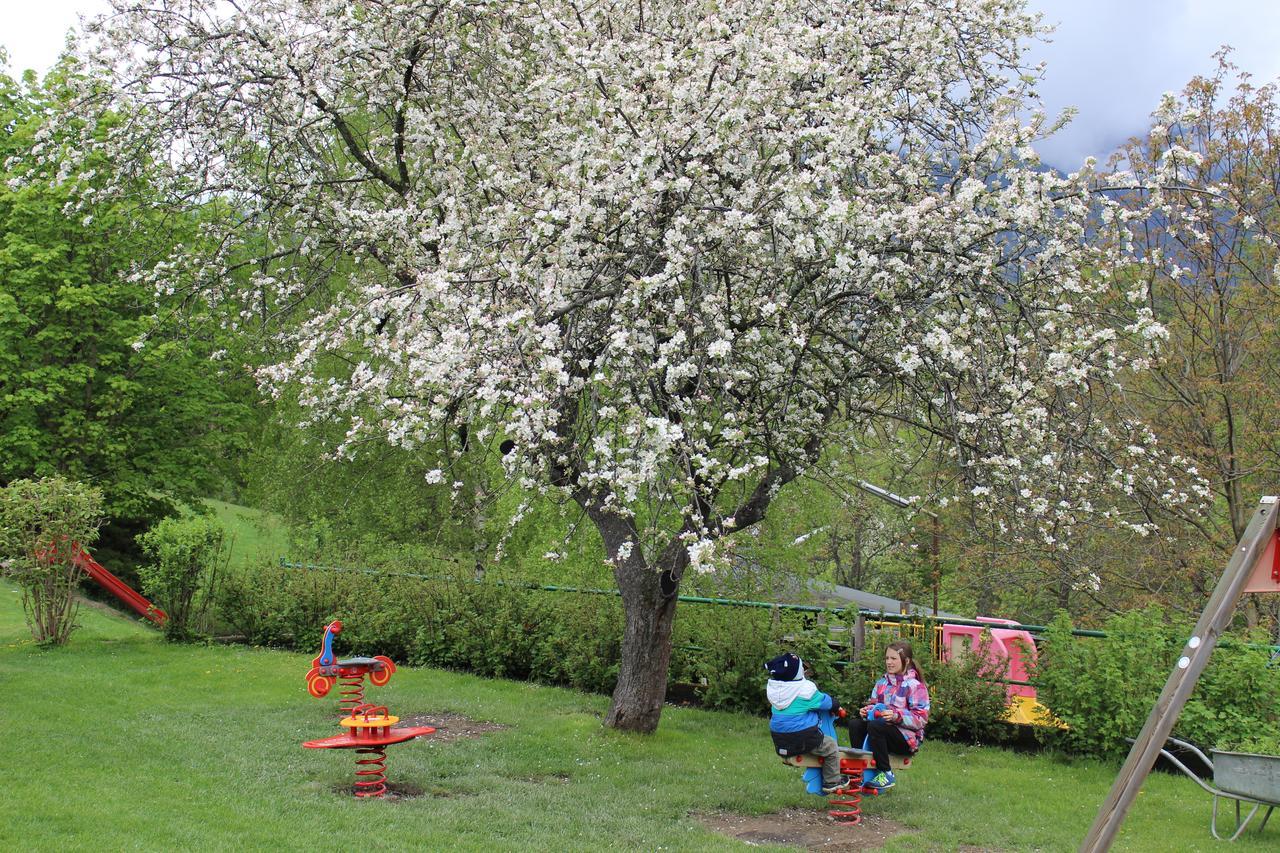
(907, 695)
(794, 721)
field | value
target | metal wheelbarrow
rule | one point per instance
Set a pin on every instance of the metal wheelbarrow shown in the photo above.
(1240, 776)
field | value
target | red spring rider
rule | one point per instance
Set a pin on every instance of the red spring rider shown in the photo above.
(325, 669)
(369, 731)
(846, 802)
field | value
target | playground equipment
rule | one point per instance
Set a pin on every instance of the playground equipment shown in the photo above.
(369, 727)
(855, 763)
(112, 584)
(369, 731)
(325, 670)
(1007, 646)
(1254, 567)
(1013, 649)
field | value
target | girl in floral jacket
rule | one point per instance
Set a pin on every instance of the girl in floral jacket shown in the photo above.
(894, 719)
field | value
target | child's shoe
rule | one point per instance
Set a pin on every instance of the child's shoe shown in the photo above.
(831, 789)
(881, 781)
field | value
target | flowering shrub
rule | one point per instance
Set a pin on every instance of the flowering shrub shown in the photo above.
(43, 525)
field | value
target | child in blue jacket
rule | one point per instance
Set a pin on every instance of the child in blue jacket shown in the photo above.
(794, 725)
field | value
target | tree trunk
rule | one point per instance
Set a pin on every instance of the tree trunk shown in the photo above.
(649, 593)
(646, 653)
(649, 609)
(1064, 591)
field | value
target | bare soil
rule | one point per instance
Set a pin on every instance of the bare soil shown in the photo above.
(804, 828)
(449, 726)
(395, 791)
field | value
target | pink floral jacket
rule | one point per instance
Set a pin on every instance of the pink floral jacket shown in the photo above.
(907, 695)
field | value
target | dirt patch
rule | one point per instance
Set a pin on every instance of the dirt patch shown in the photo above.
(450, 726)
(804, 828)
(395, 791)
(545, 778)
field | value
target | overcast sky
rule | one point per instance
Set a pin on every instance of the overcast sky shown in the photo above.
(1110, 58)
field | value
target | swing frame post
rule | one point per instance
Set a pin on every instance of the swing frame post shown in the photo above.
(1195, 657)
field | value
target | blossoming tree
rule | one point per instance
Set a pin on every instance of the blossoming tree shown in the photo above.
(663, 252)
(1214, 264)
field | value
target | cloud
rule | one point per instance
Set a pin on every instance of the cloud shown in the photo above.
(1113, 61)
(34, 33)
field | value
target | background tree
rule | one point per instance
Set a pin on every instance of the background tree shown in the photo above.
(658, 253)
(1214, 394)
(80, 396)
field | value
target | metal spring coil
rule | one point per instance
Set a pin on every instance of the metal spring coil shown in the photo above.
(371, 772)
(852, 815)
(352, 693)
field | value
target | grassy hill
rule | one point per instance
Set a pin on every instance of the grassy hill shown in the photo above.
(255, 535)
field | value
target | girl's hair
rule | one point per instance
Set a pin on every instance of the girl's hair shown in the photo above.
(903, 648)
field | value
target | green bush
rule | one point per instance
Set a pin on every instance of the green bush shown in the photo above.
(1104, 689)
(967, 700)
(579, 641)
(505, 630)
(185, 556)
(43, 525)
(1236, 703)
(723, 648)
(1258, 745)
(826, 666)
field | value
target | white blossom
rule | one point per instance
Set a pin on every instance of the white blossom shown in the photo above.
(663, 255)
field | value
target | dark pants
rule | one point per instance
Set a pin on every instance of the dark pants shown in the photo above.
(882, 739)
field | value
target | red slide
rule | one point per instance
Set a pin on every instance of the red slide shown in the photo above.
(120, 589)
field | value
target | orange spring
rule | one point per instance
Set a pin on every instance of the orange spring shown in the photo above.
(371, 772)
(352, 693)
(852, 812)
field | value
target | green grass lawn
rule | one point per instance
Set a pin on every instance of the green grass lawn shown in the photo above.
(119, 741)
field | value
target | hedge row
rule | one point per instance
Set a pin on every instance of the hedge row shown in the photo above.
(1101, 688)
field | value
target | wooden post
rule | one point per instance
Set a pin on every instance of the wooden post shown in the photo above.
(859, 635)
(937, 561)
(1195, 656)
